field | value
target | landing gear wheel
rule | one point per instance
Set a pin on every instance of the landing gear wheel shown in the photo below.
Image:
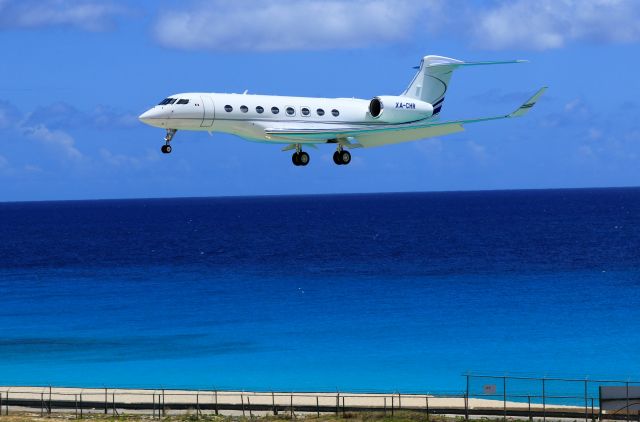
(345, 157)
(342, 157)
(166, 149)
(303, 158)
(295, 159)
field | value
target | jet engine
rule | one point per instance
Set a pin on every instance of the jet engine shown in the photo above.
(390, 109)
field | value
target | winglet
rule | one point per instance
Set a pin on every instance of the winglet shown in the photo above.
(524, 108)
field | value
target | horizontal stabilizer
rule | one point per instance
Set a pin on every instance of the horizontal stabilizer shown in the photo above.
(461, 64)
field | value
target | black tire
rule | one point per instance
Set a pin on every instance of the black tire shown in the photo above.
(164, 149)
(303, 158)
(295, 159)
(336, 158)
(345, 157)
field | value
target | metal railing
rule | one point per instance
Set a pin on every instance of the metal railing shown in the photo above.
(546, 392)
(499, 396)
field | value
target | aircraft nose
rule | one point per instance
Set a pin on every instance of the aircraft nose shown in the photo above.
(147, 116)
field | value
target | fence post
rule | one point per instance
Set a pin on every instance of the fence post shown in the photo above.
(216, 396)
(529, 401)
(385, 406)
(427, 400)
(6, 405)
(198, 405)
(80, 405)
(338, 404)
(399, 401)
(291, 404)
(41, 405)
(105, 401)
(318, 406)
(593, 416)
(392, 405)
(504, 395)
(627, 399)
(76, 400)
(586, 402)
(466, 401)
(343, 406)
(242, 401)
(544, 402)
(273, 403)
(163, 409)
(154, 405)
(49, 400)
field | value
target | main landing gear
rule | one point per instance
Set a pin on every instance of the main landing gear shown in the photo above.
(341, 157)
(166, 148)
(300, 158)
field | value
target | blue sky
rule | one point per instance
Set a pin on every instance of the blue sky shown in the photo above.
(75, 75)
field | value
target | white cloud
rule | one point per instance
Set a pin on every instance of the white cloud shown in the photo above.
(479, 152)
(118, 160)
(122, 160)
(56, 138)
(88, 15)
(273, 25)
(65, 116)
(9, 115)
(547, 24)
(284, 25)
(30, 168)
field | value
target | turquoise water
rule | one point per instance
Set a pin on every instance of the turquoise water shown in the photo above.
(396, 292)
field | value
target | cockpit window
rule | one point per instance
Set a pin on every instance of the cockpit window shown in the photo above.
(183, 101)
(172, 100)
(167, 101)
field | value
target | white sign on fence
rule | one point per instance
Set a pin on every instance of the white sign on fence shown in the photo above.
(616, 398)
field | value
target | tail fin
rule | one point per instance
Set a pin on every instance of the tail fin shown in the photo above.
(432, 80)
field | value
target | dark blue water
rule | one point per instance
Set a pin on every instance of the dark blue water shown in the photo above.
(365, 292)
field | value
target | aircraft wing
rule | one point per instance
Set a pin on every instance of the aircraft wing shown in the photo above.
(372, 136)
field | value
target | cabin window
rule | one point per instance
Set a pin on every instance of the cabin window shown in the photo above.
(275, 110)
(228, 108)
(320, 112)
(305, 111)
(260, 109)
(244, 108)
(335, 112)
(291, 111)
(183, 101)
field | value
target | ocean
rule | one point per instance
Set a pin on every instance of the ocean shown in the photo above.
(371, 292)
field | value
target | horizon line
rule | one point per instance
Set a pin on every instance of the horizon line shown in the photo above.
(317, 194)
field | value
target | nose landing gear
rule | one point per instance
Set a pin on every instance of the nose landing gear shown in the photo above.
(166, 148)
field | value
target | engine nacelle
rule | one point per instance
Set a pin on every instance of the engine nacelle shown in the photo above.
(390, 109)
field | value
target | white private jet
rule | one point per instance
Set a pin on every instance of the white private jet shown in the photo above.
(346, 122)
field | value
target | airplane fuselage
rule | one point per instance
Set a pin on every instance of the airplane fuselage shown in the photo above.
(249, 116)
